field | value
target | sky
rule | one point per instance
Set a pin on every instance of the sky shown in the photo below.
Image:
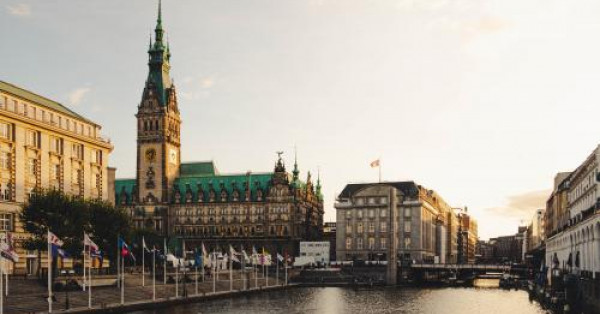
(483, 101)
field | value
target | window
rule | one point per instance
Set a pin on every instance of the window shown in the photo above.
(407, 242)
(5, 160)
(96, 156)
(3, 102)
(371, 200)
(371, 227)
(382, 212)
(359, 228)
(383, 227)
(360, 201)
(33, 138)
(55, 172)
(359, 213)
(6, 130)
(6, 222)
(359, 244)
(371, 213)
(77, 176)
(383, 200)
(371, 243)
(407, 212)
(77, 151)
(348, 243)
(32, 167)
(348, 227)
(407, 226)
(56, 145)
(383, 243)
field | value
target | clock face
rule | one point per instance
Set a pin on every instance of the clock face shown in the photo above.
(150, 155)
(173, 156)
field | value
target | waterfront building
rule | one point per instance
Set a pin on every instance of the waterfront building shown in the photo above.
(574, 245)
(45, 145)
(318, 250)
(467, 238)
(557, 216)
(508, 249)
(329, 234)
(365, 231)
(193, 201)
(484, 252)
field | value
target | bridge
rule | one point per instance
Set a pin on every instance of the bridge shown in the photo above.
(473, 267)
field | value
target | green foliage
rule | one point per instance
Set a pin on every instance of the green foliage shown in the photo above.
(69, 217)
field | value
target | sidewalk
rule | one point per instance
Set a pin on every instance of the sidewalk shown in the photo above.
(29, 296)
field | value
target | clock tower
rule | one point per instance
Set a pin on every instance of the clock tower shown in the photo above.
(158, 125)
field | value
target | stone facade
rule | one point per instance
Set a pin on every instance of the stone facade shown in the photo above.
(45, 145)
(194, 202)
(422, 225)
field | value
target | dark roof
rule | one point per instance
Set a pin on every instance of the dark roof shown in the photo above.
(409, 188)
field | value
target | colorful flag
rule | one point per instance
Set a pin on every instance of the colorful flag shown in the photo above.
(375, 163)
(125, 250)
(55, 244)
(8, 250)
(279, 257)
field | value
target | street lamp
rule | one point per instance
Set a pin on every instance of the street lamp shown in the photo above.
(68, 273)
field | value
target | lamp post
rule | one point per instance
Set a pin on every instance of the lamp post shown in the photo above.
(68, 273)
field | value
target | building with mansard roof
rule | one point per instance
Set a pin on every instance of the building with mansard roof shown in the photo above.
(194, 202)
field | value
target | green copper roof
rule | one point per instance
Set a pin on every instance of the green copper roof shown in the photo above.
(226, 181)
(121, 184)
(40, 100)
(198, 169)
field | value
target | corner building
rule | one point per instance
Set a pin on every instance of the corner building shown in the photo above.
(194, 202)
(45, 145)
(422, 230)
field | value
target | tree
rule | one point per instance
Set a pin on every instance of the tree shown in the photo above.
(69, 217)
(108, 223)
(64, 215)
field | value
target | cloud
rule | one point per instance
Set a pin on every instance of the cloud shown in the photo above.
(522, 206)
(21, 10)
(207, 82)
(76, 96)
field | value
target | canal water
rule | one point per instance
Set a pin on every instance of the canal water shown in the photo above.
(376, 300)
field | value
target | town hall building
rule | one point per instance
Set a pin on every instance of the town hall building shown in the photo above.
(194, 202)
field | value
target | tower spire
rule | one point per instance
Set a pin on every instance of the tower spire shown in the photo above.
(295, 172)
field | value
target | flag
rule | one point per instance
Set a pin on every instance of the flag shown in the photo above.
(57, 251)
(375, 163)
(125, 250)
(198, 259)
(144, 247)
(8, 250)
(55, 243)
(279, 257)
(233, 254)
(246, 258)
(88, 242)
(97, 254)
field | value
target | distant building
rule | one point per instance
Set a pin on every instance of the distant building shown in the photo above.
(484, 252)
(329, 234)
(45, 145)
(364, 230)
(318, 250)
(509, 248)
(467, 238)
(557, 215)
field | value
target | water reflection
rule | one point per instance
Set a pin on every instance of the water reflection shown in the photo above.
(379, 300)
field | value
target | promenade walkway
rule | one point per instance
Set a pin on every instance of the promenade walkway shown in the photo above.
(29, 296)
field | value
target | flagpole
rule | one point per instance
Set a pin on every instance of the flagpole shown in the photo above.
(165, 263)
(231, 270)
(1, 292)
(122, 279)
(196, 278)
(89, 275)
(214, 274)
(84, 282)
(254, 262)
(154, 274)
(277, 271)
(143, 261)
(118, 258)
(49, 274)
(285, 269)
(177, 279)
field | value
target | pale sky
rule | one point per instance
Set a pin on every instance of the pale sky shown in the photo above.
(482, 101)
